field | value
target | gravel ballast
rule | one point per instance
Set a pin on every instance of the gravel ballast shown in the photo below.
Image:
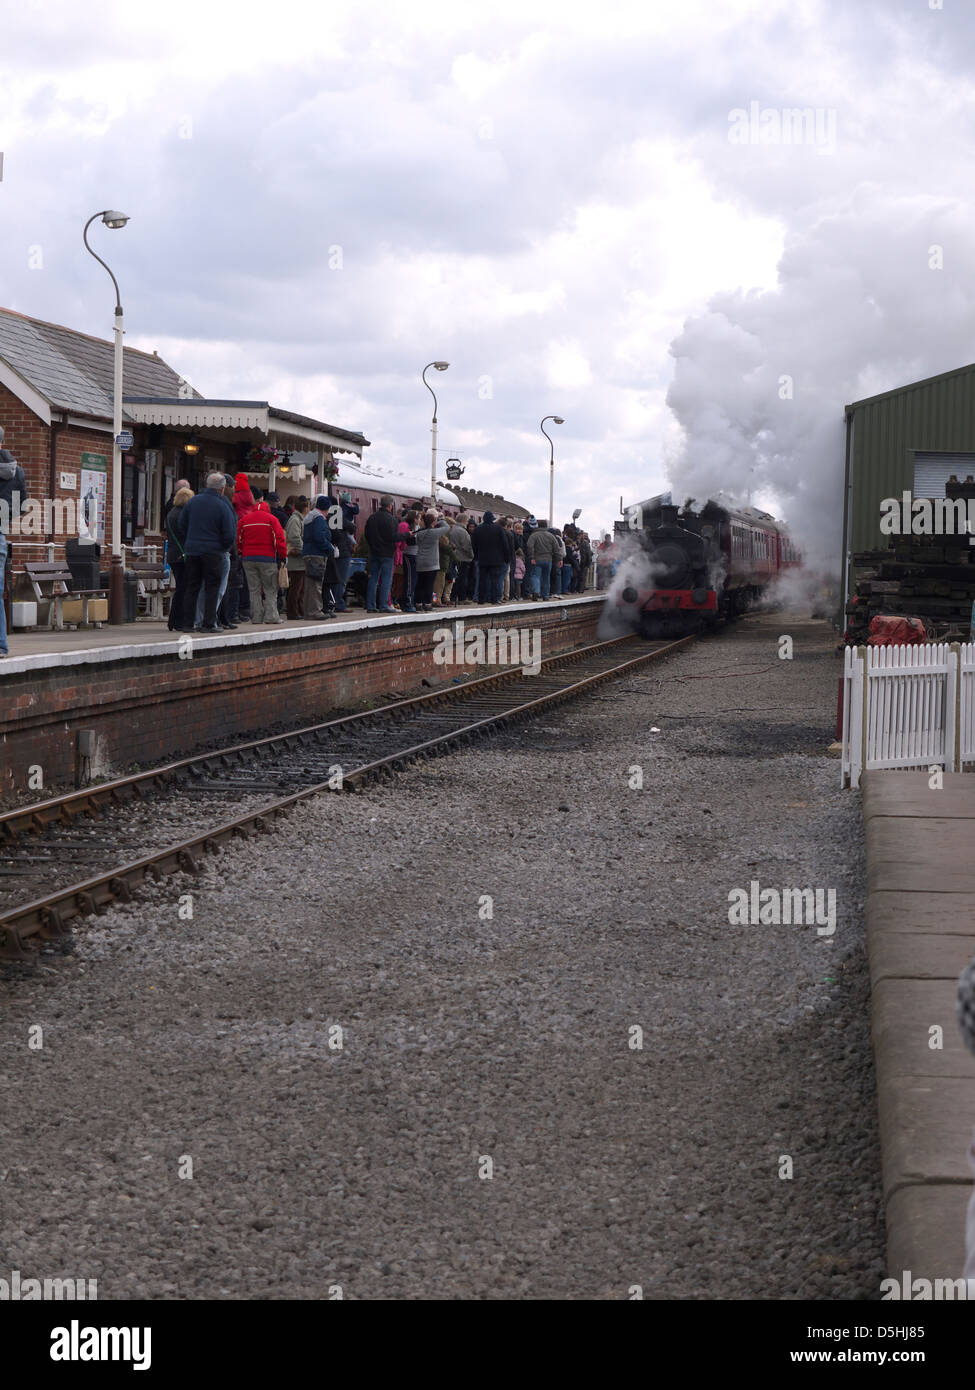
(396, 1040)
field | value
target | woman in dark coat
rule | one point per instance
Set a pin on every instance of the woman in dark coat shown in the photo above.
(177, 559)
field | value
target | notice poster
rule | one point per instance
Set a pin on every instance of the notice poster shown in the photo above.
(94, 493)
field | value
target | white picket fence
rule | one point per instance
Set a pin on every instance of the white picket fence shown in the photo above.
(908, 707)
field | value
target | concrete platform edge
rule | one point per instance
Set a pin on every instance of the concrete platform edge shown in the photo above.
(287, 632)
(917, 941)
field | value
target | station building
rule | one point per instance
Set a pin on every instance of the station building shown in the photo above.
(911, 439)
(56, 407)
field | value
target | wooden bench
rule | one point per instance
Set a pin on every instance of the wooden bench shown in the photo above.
(50, 582)
(154, 586)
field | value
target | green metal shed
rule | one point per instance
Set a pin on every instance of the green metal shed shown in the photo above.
(907, 440)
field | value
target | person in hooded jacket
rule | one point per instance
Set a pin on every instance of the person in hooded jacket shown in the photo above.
(13, 501)
(262, 546)
(350, 510)
(490, 547)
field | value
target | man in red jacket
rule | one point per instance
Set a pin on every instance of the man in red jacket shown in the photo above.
(262, 546)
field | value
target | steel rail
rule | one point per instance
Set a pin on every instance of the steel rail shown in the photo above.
(86, 801)
(48, 917)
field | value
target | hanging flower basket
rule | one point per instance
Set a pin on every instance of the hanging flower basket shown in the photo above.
(261, 457)
(331, 470)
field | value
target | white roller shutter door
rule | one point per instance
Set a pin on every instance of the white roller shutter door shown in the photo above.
(932, 471)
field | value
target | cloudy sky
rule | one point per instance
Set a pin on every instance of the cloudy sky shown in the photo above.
(559, 200)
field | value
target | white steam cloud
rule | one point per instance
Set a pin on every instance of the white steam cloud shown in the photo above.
(871, 297)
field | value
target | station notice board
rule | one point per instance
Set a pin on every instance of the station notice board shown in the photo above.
(94, 493)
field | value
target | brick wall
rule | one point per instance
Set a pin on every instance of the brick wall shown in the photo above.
(29, 440)
(150, 710)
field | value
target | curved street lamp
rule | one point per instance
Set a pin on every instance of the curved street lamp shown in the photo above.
(441, 367)
(556, 419)
(116, 587)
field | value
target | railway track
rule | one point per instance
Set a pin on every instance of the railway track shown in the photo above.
(102, 831)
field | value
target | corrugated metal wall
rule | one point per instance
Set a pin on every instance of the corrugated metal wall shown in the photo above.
(938, 415)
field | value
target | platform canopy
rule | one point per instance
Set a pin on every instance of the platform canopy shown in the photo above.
(256, 421)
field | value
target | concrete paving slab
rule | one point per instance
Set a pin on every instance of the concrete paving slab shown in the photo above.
(925, 1127)
(909, 794)
(940, 914)
(936, 855)
(915, 956)
(926, 1231)
(904, 1014)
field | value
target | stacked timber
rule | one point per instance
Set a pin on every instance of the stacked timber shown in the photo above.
(926, 577)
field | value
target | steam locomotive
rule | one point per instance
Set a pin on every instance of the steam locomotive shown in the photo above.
(683, 570)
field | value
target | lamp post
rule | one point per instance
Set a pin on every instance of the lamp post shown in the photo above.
(116, 587)
(441, 367)
(557, 419)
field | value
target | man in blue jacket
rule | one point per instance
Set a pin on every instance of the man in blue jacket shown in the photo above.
(315, 550)
(207, 529)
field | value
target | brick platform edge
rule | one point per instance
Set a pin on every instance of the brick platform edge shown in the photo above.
(154, 705)
(920, 915)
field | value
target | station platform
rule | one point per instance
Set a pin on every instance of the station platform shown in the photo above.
(144, 694)
(920, 915)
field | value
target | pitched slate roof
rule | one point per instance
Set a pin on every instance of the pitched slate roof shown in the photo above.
(74, 371)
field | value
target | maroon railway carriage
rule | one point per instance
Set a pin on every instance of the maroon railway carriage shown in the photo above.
(689, 569)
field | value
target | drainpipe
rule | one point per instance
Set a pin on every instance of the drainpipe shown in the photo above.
(56, 428)
(846, 514)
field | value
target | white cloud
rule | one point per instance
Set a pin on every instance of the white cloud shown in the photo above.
(545, 195)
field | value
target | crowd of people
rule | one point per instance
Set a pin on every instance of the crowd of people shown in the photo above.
(240, 556)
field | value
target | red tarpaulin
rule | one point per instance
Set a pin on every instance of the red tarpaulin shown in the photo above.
(896, 632)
